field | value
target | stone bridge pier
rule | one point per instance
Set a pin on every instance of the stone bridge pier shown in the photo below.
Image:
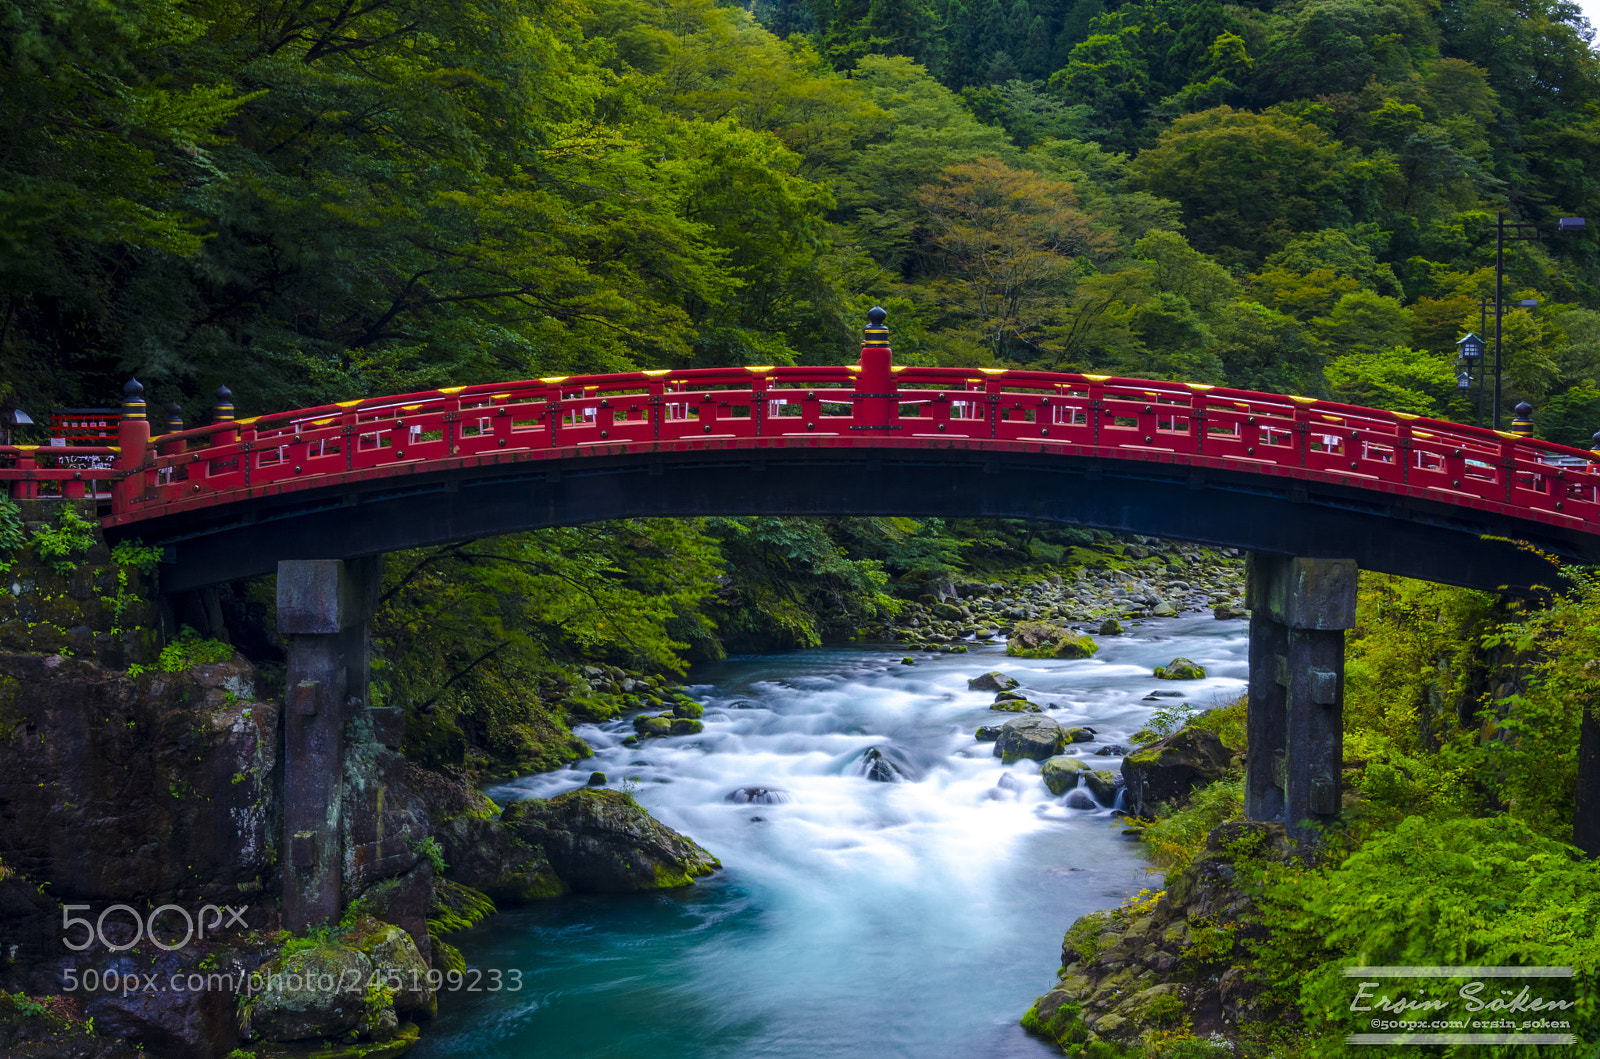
(325, 611)
(1300, 609)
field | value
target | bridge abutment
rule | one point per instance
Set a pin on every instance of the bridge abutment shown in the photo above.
(1300, 609)
(325, 610)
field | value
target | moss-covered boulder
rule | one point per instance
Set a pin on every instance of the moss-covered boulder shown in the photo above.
(1061, 773)
(1102, 783)
(1181, 668)
(602, 841)
(648, 727)
(397, 963)
(987, 733)
(992, 681)
(321, 991)
(1030, 737)
(1015, 704)
(1037, 639)
(1111, 627)
(1168, 770)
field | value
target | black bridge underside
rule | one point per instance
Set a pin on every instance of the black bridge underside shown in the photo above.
(1422, 539)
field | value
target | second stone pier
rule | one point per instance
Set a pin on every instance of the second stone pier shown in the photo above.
(1300, 609)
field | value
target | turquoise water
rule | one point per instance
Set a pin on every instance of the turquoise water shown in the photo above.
(852, 918)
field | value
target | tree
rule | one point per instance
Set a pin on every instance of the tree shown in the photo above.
(1262, 349)
(1001, 248)
(1247, 182)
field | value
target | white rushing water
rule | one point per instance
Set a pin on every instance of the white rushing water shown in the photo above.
(853, 917)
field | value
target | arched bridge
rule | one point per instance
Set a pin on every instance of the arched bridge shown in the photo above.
(1271, 473)
(1315, 490)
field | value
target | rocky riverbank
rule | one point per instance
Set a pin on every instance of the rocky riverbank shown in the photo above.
(1109, 590)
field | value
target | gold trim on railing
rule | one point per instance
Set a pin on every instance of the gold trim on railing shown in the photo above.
(555, 378)
(349, 404)
(451, 391)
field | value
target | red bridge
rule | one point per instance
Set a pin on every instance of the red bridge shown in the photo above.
(1271, 473)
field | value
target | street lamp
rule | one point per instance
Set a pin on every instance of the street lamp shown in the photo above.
(1520, 232)
(1469, 355)
(9, 421)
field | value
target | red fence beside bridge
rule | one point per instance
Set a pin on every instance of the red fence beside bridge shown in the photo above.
(858, 406)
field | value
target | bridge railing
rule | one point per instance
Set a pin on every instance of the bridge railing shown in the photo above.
(1085, 415)
(76, 472)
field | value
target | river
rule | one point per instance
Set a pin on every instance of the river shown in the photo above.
(852, 918)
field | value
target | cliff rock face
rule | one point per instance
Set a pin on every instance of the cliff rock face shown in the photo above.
(118, 788)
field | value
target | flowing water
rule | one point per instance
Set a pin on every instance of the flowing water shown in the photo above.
(852, 917)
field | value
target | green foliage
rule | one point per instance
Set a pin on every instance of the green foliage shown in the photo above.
(1176, 838)
(190, 649)
(12, 533)
(430, 851)
(61, 545)
(1435, 891)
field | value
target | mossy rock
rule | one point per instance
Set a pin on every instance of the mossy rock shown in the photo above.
(1034, 639)
(652, 727)
(1181, 668)
(987, 733)
(1061, 773)
(1016, 706)
(992, 681)
(1030, 737)
(1111, 627)
(687, 726)
(690, 709)
(315, 992)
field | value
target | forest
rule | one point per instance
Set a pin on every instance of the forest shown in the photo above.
(318, 201)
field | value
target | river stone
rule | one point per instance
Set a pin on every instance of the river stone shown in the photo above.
(1080, 735)
(881, 766)
(946, 612)
(992, 681)
(1035, 639)
(987, 733)
(649, 727)
(316, 992)
(1163, 610)
(1228, 612)
(1018, 705)
(602, 841)
(760, 796)
(1110, 627)
(687, 726)
(1060, 773)
(688, 708)
(1031, 737)
(1181, 669)
(1169, 769)
(1102, 783)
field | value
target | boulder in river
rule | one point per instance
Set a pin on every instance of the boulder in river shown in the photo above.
(1015, 704)
(1169, 769)
(987, 733)
(1111, 627)
(1060, 773)
(1181, 669)
(1228, 612)
(1037, 639)
(602, 841)
(1030, 737)
(992, 681)
(1103, 784)
(884, 766)
(760, 796)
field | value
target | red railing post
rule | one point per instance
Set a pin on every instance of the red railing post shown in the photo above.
(133, 439)
(28, 487)
(871, 409)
